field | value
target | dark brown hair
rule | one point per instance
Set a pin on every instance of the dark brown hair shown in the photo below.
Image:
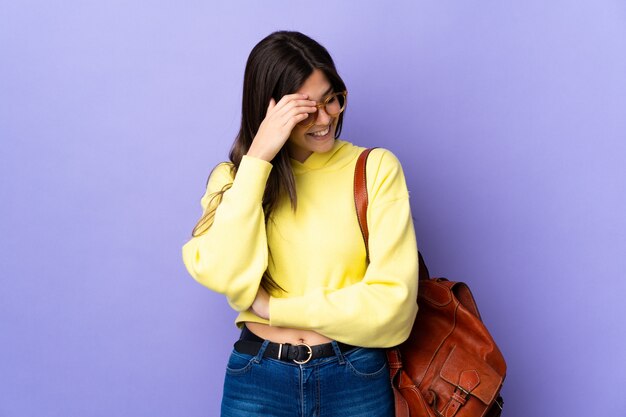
(278, 65)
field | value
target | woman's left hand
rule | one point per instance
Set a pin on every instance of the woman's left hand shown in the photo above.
(261, 304)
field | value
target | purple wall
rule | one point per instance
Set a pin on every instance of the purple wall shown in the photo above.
(510, 120)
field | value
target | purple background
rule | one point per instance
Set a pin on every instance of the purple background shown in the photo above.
(509, 119)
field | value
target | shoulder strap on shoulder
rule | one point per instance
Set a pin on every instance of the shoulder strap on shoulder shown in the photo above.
(360, 196)
(361, 201)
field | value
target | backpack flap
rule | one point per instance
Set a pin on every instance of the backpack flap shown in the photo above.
(470, 376)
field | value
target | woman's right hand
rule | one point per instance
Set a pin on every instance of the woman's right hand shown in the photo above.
(279, 121)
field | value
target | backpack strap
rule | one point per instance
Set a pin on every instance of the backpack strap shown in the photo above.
(361, 201)
(360, 197)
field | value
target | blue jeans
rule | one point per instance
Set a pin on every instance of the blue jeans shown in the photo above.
(351, 384)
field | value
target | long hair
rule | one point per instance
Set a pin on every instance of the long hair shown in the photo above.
(278, 65)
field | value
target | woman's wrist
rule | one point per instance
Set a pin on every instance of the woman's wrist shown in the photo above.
(259, 153)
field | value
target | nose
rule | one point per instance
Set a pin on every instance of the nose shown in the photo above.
(323, 118)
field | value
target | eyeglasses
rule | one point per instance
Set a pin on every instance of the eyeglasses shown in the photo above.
(334, 104)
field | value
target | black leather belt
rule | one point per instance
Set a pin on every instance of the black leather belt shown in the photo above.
(299, 353)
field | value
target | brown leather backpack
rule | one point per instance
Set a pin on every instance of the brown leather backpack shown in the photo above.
(450, 365)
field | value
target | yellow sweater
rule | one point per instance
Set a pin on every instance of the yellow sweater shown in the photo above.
(316, 254)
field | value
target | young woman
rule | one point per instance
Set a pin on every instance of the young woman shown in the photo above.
(279, 237)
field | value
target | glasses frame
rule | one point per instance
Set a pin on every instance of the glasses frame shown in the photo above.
(344, 93)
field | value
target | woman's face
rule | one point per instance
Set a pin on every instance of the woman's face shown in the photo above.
(301, 143)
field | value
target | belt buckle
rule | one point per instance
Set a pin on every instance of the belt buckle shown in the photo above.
(310, 354)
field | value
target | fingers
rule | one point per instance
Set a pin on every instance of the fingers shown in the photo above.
(290, 122)
(284, 99)
(295, 114)
(287, 103)
(288, 99)
(290, 110)
(293, 107)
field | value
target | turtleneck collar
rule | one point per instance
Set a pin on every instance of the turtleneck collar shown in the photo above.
(317, 160)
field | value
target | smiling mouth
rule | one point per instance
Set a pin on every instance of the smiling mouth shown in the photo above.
(320, 133)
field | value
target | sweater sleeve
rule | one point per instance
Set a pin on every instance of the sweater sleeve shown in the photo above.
(231, 256)
(379, 310)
